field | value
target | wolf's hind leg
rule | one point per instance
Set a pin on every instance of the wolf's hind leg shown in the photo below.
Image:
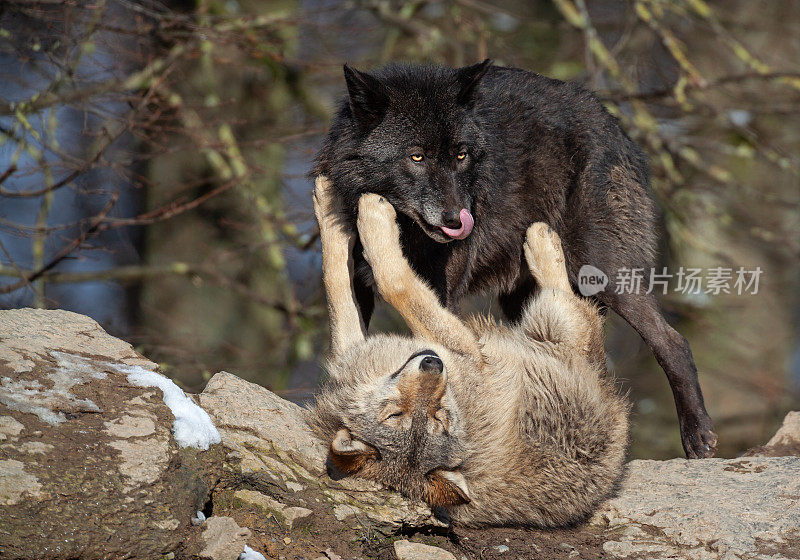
(401, 287)
(556, 314)
(345, 322)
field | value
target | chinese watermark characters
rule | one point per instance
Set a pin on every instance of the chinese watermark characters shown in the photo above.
(686, 280)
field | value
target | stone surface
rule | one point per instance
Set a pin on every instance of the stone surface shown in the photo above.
(290, 516)
(223, 539)
(88, 466)
(406, 550)
(706, 509)
(90, 469)
(250, 415)
(786, 440)
(788, 433)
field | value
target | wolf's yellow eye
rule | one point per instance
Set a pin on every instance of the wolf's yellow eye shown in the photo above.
(461, 156)
(416, 158)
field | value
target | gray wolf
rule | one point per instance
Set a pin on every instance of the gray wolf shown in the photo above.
(469, 158)
(499, 425)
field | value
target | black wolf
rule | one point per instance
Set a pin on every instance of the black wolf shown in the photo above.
(470, 157)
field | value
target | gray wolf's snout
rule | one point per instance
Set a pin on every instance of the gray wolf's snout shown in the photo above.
(431, 364)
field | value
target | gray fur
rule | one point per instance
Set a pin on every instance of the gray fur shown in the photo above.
(536, 433)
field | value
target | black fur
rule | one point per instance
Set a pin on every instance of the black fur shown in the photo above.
(537, 149)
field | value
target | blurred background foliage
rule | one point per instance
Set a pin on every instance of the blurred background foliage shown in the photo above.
(154, 160)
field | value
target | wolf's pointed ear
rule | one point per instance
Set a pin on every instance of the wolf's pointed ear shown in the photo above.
(468, 77)
(344, 444)
(446, 488)
(348, 454)
(369, 98)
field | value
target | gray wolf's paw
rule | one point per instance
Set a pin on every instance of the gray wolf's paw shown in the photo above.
(323, 199)
(328, 218)
(378, 230)
(375, 207)
(546, 258)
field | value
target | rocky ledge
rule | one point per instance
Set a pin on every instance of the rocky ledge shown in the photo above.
(102, 457)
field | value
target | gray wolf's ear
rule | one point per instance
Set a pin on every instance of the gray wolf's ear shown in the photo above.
(369, 98)
(344, 444)
(468, 77)
(348, 454)
(446, 488)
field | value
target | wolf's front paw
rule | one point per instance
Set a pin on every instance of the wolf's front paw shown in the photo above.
(377, 228)
(698, 436)
(375, 207)
(325, 206)
(545, 257)
(323, 197)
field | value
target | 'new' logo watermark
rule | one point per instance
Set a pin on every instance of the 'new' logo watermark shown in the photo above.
(591, 280)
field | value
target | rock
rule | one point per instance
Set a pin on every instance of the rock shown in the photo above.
(291, 516)
(705, 509)
(785, 442)
(94, 464)
(297, 517)
(294, 486)
(789, 432)
(223, 539)
(407, 550)
(273, 449)
(252, 415)
(9, 427)
(89, 465)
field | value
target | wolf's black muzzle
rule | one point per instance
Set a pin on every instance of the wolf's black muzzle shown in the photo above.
(431, 364)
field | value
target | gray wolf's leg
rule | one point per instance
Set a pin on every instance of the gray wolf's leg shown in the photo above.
(556, 314)
(673, 354)
(401, 287)
(345, 322)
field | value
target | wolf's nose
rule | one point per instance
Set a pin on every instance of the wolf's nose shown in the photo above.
(451, 218)
(431, 364)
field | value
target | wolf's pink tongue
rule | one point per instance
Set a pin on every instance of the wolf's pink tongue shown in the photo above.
(467, 221)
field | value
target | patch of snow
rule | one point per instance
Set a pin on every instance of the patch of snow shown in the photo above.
(77, 365)
(193, 426)
(250, 554)
(32, 397)
(199, 518)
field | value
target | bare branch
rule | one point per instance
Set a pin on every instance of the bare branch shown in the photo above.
(65, 251)
(708, 84)
(139, 273)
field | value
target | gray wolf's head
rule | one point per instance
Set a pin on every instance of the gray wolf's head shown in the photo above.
(389, 415)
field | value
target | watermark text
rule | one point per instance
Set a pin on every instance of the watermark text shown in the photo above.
(685, 280)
